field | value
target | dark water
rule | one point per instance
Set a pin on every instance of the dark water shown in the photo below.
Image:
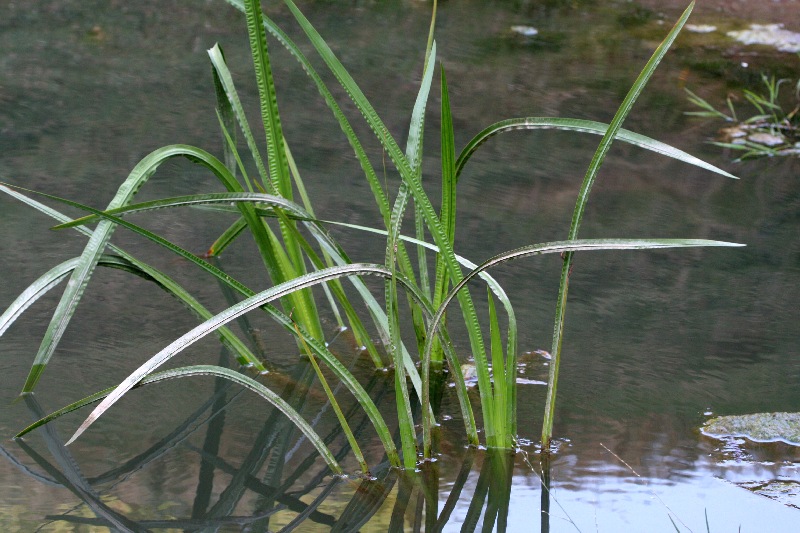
(655, 340)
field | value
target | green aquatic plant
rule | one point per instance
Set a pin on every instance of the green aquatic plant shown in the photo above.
(771, 131)
(298, 253)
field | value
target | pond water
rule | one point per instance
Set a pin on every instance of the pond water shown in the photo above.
(656, 342)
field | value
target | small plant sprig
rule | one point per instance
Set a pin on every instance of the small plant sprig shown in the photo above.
(772, 131)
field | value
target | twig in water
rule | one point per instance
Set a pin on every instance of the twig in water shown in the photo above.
(621, 460)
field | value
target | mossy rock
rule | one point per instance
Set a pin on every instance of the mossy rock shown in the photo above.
(758, 427)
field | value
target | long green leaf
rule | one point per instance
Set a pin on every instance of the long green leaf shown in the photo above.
(577, 216)
(449, 178)
(222, 74)
(276, 155)
(414, 150)
(324, 239)
(499, 369)
(331, 102)
(271, 253)
(88, 400)
(48, 281)
(83, 271)
(281, 263)
(289, 260)
(579, 126)
(227, 198)
(227, 122)
(319, 233)
(414, 155)
(369, 171)
(338, 410)
(227, 237)
(420, 198)
(319, 348)
(224, 317)
(243, 354)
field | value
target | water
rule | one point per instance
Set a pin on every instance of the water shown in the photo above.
(655, 340)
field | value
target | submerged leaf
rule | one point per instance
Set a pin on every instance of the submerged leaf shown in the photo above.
(758, 427)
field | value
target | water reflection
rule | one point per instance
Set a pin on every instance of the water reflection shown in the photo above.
(268, 491)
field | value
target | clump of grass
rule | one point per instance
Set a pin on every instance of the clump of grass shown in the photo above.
(298, 253)
(771, 131)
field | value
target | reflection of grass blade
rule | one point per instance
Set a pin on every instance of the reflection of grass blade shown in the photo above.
(577, 217)
(178, 435)
(455, 491)
(252, 483)
(264, 392)
(473, 514)
(70, 479)
(312, 507)
(70, 475)
(367, 500)
(501, 463)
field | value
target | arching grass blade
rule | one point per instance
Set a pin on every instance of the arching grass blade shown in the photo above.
(579, 126)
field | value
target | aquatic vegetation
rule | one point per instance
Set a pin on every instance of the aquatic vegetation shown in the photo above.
(772, 131)
(298, 253)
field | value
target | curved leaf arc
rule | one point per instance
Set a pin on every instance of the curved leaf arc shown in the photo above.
(580, 126)
(220, 319)
(548, 248)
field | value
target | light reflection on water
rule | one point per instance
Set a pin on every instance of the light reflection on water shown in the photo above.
(653, 339)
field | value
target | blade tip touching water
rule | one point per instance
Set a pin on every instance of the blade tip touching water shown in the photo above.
(88, 422)
(99, 410)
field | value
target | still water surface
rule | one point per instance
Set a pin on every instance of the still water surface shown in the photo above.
(656, 341)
